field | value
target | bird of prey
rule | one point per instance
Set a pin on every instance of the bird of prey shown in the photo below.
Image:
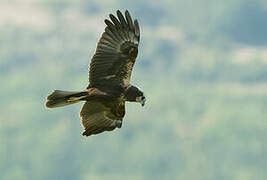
(109, 78)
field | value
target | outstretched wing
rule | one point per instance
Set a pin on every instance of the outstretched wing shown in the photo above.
(116, 51)
(98, 117)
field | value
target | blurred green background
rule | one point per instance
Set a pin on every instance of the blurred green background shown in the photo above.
(202, 65)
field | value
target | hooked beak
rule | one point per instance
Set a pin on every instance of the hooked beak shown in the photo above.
(141, 100)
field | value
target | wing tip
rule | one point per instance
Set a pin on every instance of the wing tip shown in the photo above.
(129, 19)
(118, 12)
(108, 23)
(136, 28)
(127, 12)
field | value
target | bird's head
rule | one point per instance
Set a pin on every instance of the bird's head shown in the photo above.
(133, 94)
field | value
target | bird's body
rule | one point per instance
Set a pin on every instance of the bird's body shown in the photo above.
(109, 78)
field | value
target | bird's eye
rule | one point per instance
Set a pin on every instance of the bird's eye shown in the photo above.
(143, 97)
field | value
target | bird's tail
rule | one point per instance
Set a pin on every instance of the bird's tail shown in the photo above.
(63, 98)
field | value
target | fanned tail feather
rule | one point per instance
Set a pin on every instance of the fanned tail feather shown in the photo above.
(63, 98)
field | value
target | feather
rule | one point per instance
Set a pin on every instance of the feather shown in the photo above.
(110, 34)
(115, 21)
(136, 29)
(112, 28)
(121, 18)
(129, 19)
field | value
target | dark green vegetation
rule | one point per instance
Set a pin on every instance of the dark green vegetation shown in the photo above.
(201, 65)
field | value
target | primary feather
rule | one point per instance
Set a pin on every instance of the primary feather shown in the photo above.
(116, 51)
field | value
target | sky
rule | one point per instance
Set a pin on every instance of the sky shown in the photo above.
(201, 64)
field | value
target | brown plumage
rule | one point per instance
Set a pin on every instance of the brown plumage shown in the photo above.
(109, 78)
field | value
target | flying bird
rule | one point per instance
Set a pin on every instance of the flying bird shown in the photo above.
(109, 78)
